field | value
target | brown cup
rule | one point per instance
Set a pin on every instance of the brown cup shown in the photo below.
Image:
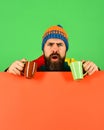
(29, 69)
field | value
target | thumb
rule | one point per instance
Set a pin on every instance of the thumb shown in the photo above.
(23, 60)
(83, 61)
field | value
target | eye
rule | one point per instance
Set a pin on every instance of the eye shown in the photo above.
(59, 44)
(50, 44)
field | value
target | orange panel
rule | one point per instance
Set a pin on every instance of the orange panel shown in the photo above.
(51, 101)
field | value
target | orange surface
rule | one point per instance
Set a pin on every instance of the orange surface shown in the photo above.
(51, 101)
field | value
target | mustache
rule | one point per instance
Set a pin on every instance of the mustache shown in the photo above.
(54, 54)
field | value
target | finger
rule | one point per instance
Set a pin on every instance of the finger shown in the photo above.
(20, 68)
(19, 63)
(16, 71)
(92, 69)
(11, 71)
(87, 65)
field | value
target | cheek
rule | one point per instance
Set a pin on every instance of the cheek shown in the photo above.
(63, 52)
(46, 51)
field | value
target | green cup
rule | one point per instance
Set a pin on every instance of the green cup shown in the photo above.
(77, 70)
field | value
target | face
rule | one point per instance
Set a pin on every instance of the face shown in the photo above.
(54, 53)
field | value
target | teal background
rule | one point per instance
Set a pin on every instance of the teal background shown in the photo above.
(23, 22)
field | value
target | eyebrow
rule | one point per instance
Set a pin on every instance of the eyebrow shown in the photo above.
(50, 43)
(56, 43)
(59, 43)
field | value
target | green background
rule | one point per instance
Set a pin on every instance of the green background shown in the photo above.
(23, 22)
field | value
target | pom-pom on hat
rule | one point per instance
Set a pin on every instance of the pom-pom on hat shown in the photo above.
(55, 32)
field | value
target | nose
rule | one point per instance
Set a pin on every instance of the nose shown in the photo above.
(55, 48)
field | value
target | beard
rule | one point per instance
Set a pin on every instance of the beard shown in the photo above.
(54, 65)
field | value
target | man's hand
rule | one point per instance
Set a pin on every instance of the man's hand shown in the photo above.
(89, 67)
(17, 67)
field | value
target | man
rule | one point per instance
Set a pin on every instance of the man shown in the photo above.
(54, 45)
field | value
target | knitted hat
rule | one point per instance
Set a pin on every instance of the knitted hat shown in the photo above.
(55, 32)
